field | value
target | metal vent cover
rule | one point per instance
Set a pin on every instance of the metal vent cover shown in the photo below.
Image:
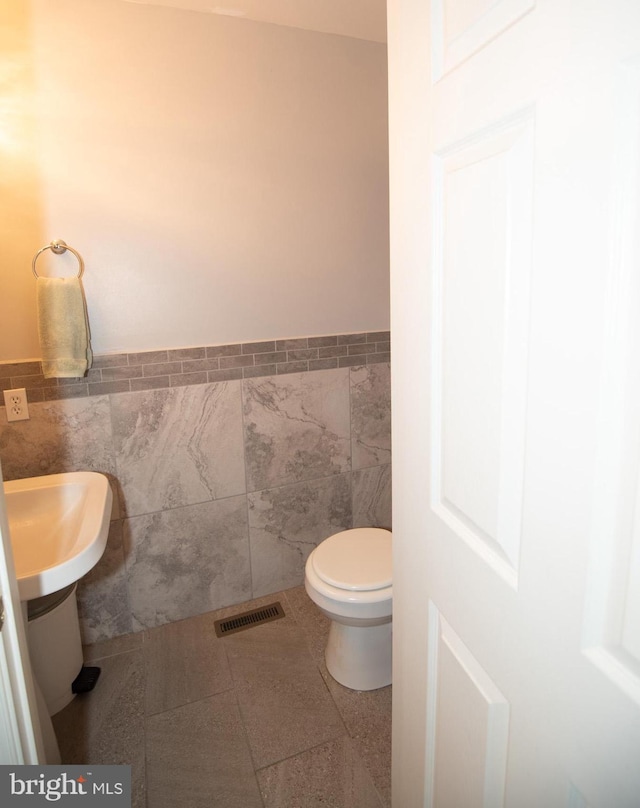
(244, 620)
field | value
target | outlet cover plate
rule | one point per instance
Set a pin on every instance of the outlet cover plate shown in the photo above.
(16, 404)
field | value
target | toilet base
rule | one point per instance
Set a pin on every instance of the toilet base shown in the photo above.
(359, 657)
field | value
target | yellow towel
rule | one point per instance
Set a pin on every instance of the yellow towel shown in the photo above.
(63, 327)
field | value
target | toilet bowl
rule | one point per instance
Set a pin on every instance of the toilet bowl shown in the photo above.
(348, 576)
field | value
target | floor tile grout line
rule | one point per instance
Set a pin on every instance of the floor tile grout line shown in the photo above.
(300, 629)
(204, 697)
(181, 704)
(97, 660)
(337, 706)
(302, 626)
(245, 734)
(305, 751)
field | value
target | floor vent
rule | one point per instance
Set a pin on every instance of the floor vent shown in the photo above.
(239, 622)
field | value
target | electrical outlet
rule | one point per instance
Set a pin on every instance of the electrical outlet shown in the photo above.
(16, 404)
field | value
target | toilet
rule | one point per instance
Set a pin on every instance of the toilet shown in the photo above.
(348, 576)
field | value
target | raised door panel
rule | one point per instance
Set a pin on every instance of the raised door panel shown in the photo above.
(611, 636)
(467, 725)
(481, 270)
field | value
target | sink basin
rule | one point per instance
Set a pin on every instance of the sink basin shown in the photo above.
(58, 525)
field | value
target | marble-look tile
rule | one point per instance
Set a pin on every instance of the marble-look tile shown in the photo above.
(106, 726)
(197, 756)
(371, 496)
(66, 435)
(296, 427)
(371, 415)
(178, 446)
(286, 523)
(284, 703)
(187, 561)
(184, 662)
(330, 776)
(103, 601)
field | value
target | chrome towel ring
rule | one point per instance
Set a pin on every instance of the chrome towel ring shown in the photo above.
(58, 247)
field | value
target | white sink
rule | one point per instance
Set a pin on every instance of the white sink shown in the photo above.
(59, 525)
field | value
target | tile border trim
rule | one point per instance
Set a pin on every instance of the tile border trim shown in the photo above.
(150, 370)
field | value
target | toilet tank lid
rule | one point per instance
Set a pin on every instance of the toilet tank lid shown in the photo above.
(358, 559)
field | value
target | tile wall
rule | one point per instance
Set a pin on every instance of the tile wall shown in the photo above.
(223, 486)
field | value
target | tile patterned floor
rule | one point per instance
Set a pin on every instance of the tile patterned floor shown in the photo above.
(249, 720)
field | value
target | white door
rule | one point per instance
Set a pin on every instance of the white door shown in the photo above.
(515, 233)
(20, 733)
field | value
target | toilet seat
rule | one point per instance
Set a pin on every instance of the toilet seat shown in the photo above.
(379, 600)
(357, 560)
